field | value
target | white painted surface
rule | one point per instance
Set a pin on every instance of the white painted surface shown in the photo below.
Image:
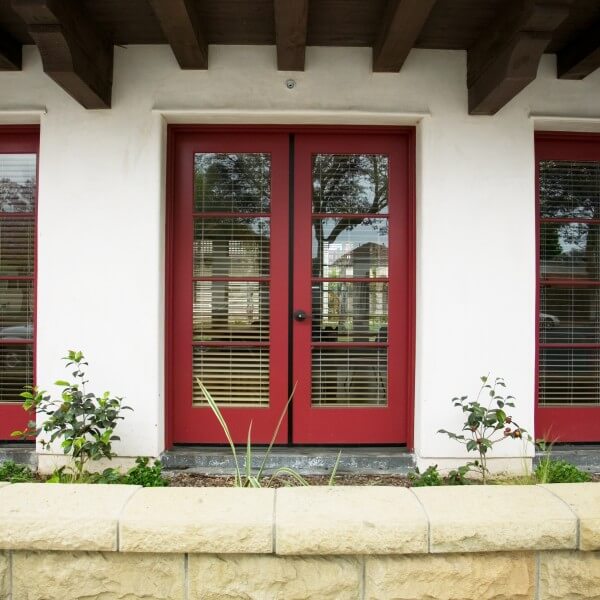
(101, 213)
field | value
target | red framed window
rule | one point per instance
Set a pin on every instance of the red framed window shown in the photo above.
(19, 148)
(568, 274)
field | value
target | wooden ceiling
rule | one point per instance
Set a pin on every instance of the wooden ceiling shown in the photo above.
(504, 39)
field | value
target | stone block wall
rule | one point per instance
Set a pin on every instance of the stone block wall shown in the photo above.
(80, 542)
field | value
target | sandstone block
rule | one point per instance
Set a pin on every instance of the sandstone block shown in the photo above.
(584, 500)
(349, 520)
(273, 577)
(569, 576)
(489, 518)
(489, 576)
(4, 575)
(210, 520)
(37, 516)
(97, 575)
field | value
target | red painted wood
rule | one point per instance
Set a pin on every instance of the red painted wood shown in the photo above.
(562, 423)
(354, 425)
(197, 424)
(21, 139)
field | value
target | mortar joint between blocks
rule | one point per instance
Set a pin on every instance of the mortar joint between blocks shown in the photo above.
(426, 517)
(577, 520)
(274, 527)
(119, 518)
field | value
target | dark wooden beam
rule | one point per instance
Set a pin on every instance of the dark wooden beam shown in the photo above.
(10, 53)
(580, 58)
(74, 51)
(181, 25)
(291, 22)
(401, 26)
(506, 58)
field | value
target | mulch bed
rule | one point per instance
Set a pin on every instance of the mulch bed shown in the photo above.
(185, 479)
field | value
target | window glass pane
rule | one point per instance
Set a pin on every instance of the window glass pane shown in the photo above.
(17, 183)
(570, 315)
(16, 371)
(350, 248)
(234, 376)
(569, 376)
(570, 189)
(570, 251)
(231, 247)
(350, 183)
(16, 309)
(232, 182)
(226, 311)
(349, 377)
(349, 312)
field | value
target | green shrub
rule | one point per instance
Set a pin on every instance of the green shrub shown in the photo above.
(429, 477)
(559, 471)
(486, 425)
(459, 476)
(145, 474)
(82, 422)
(15, 473)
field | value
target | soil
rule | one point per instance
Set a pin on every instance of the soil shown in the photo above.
(184, 479)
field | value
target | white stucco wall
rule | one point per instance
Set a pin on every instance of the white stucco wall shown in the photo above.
(101, 212)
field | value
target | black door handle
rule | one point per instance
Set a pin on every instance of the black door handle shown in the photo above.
(300, 315)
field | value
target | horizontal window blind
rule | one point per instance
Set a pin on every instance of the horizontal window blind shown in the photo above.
(17, 256)
(569, 274)
(231, 277)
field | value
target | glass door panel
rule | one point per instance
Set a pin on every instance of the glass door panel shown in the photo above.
(231, 319)
(348, 198)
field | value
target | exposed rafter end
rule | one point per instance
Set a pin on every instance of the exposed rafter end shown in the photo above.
(291, 22)
(582, 57)
(74, 51)
(506, 59)
(11, 53)
(401, 26)
(181, 25)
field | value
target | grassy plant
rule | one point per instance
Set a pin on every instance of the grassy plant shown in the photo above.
(247, 477)
(559, 471)
(15, 473)
(430, 477)
(145, 474)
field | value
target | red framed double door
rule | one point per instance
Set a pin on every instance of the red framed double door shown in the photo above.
(290, 259)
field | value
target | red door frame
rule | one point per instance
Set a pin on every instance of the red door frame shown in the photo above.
(561, 424)
(175, 133)
(22, 139)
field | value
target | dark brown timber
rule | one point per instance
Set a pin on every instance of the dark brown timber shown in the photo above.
(181, 25)
(10, 53)
(291, 19)
(402, 23)
(74, 51)
(581, 57)
(506, 58)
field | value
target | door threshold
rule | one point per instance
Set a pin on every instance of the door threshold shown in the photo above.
(217, 460)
